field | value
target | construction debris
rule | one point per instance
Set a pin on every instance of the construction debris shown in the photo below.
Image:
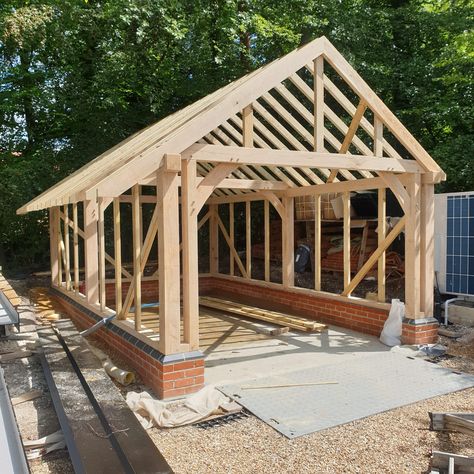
(223, 420)
(26, 397)
(449, 463)
(461, 422)
(15, 355)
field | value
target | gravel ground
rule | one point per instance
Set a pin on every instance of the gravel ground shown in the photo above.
(398, 441)
(35, 418)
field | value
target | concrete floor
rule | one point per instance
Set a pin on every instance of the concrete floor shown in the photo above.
(288, 353)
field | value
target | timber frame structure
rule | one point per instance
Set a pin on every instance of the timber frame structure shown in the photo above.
(285, 130)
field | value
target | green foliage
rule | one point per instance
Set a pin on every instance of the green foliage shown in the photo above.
(78, 76)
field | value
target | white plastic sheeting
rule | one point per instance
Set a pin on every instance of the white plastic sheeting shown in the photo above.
(199, 406)
(392, 329)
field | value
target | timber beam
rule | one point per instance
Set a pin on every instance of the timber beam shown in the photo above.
(292, 158)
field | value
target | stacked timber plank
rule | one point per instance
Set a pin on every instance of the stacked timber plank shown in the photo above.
(274, 317)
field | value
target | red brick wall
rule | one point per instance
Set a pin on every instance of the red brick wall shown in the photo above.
(150, 289)
(358, 317)
(166, 380)
(422, 334)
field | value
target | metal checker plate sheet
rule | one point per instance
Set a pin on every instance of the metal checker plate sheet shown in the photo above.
(366, 386)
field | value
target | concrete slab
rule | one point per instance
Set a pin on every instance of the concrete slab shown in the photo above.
(287, 353)
(367, 384)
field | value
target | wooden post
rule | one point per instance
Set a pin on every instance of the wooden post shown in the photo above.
(60, 245)
(317, 242)
(232, 236)
(137, 267)
(168, 250)
(118, 259)
(382, 213)
(288, 241)
(318, 76)
(91, 217)
(427, 249)
(381, 233)
(213, 240)
(248, 239)
(75, 238)
(101, 233)
(67, 256)
(53, 245)
(189, 215)
(266, 216)
(347, 238)
(412, 250)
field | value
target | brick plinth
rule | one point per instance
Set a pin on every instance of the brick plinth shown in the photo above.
(424, 331)
(168, 376)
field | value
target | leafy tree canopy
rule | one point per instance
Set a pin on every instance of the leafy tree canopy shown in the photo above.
(78, 76)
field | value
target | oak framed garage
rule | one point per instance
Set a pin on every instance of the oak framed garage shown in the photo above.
(283, 131)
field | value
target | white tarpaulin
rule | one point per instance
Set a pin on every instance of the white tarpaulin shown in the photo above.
(151, 412)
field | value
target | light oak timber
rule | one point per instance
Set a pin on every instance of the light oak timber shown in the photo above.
(53, 245)
(382, 214)
(243, 93)
(427, 249)
(346, 200)
(144, 254)
(101, 236)
(247, 126)
(75, 243)
(317, 242)
(392, 235)
(412, 251)
(359, 113)
(356, 82)
(266, 219)
(168, 256)
(206, 187)
(276, 203)
(91, 250)
(231, 236)
(248, 239)
(59, 248)
(350, 109)
(67, 257)
(137, 270)
(234, 253)
(394, 183)
(118, 258)
(318, 101)
(296, 158)
(288, 242)
(213, 239)
(335, 120)
(110, 259)
(189, 226)
(318, 189)
(381, 232)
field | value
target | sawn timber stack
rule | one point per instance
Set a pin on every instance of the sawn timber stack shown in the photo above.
(275, 317)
